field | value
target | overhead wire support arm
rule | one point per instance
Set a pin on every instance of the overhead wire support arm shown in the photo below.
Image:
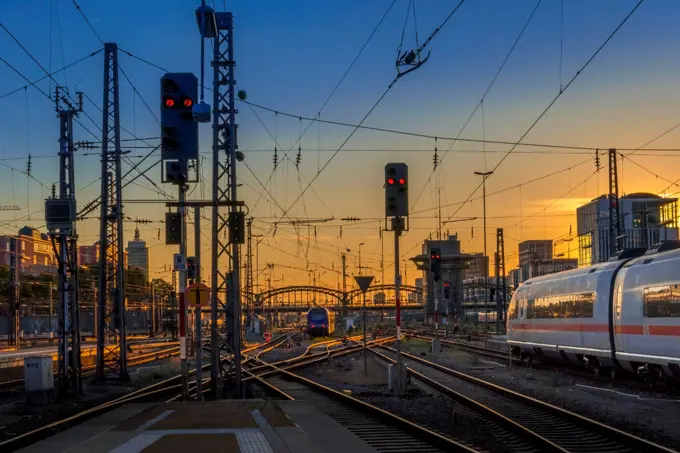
(412, 59)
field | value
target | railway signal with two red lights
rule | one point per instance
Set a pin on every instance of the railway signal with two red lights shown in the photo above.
(436, 263)
(179, 131)
(396, 190)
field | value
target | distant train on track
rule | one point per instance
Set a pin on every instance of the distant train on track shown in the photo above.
(320, 322)
(620, 314)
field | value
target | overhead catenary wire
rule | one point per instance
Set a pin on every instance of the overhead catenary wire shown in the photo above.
(326, 101)
(375, 105)
(554, 100)
(480, 103)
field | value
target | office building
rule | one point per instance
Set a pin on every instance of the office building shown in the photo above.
(477, 264)
(535, 250)
(138, 255)
(646, 219)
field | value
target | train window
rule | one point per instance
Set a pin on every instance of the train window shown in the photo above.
(512, 309)
(529, 311)
(562, 306)
(662, 301)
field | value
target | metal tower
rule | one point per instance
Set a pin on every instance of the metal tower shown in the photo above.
(224, 193)
(501, 286)
(111, 342)
(64, 240)
(614, 212)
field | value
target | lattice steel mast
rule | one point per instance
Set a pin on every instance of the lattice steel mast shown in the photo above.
(111, 341)
(224, 192)
(60, 216)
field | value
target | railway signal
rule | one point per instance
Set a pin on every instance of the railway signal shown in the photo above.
(396, 190)
(179, 131)
(436, 263)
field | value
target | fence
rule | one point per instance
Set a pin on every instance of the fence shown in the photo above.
(39, 325)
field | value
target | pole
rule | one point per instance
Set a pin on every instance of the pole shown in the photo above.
(183, 311)
(52, 313)
(364, 323)
(382, 256)
(153, 311)
(397, 226)
(486, 264)
(344, 285)
(197, 312)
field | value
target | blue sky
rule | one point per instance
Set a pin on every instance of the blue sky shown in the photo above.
(289, 57)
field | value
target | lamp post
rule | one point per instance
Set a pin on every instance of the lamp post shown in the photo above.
(484, 175)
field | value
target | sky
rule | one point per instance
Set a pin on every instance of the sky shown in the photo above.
(291, 55)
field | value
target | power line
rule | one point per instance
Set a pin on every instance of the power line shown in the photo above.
(50, 75)
(144, 60)
(328, 99)
(89, 24)
(543, 113)
(486, 92)
(506, 189)
(419, 134)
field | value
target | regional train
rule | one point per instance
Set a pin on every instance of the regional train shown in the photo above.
(619, 314)
(320, 322)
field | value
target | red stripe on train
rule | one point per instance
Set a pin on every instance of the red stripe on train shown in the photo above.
(664, 330)
(603, 328)
(563, 327)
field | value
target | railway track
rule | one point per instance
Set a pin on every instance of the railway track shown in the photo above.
(524, 420)
(464, 346)
(136, 360)
(385, 432)
(154, 392)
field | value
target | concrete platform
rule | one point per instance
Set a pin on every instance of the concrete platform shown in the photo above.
(235, 426)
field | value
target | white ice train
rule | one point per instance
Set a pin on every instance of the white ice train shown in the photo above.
(621, 314)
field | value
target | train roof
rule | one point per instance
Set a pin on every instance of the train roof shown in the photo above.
(606, 266)
(668, 255)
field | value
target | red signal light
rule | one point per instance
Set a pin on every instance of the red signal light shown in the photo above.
(390, 181)
(188, 102)
(402, 181)
(169, 102)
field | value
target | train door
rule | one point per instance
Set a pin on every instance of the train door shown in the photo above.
(619, 338)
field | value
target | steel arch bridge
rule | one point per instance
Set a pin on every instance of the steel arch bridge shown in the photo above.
(302, 298)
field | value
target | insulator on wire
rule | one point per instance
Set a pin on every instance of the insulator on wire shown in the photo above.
(298, 158)
(435, 158)
(276, 157)
(29, 166)
(597, 159)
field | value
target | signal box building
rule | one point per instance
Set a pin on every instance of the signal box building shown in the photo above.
(454, 264)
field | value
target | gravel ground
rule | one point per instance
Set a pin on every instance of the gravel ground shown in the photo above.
(419, 405)
(282, 353)
(649, 414)
(17, 417)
